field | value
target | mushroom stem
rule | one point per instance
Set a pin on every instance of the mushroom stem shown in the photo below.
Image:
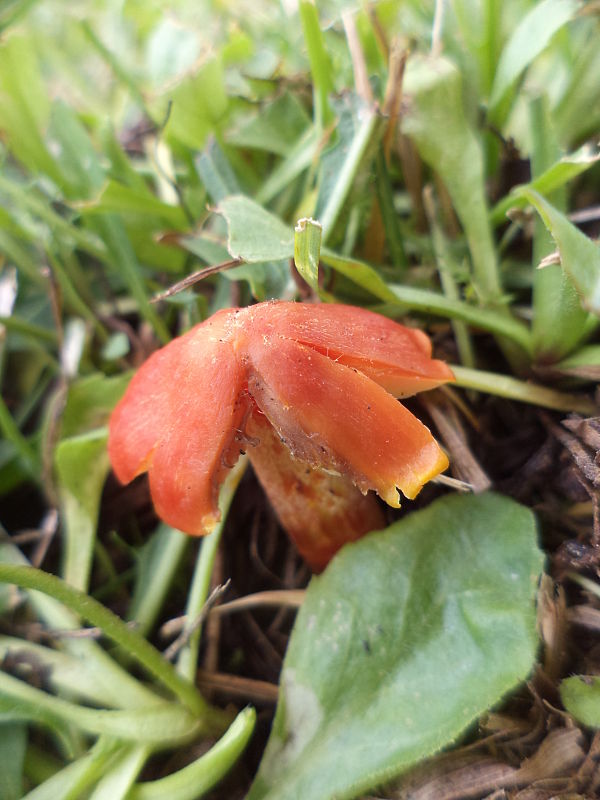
(321, 512)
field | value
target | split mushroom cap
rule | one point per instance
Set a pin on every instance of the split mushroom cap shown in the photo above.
(324, 376)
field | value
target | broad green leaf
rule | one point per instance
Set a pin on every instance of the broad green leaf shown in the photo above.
(267, 279)
(196, 104)
(579, 255)
(90, 401)
(13, 743)
(581, 697)
(407, 637)
(528, 40)
(437, 122)
(254, 233)
(275, 129)
(82, 465)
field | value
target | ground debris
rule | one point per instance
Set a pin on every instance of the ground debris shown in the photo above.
(468, 773)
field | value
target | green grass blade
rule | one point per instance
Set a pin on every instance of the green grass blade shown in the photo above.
(437, 122)
(100, 616)
(320, 67)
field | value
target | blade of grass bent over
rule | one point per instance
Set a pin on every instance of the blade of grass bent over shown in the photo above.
(579, 255)
(559, 321)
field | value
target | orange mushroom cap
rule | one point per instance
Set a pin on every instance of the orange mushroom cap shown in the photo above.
(323, 375)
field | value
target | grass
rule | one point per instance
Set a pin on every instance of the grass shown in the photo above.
(446, 150)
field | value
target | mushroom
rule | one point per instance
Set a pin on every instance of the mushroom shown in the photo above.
(309, 391)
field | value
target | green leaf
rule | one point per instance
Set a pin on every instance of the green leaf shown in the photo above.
(196, 104)
(320, 65)
(585, 363)
(254, 233)
(166, 723)
(553, 178)
(90, 401)
(13, 743)
(407, 637)
(118, 198)
(171, 49)
(559, 322)
(357, 129)
(307, 247)
(579, 255)
(216, 173)
(300, 157)
(116, 783)
(276, 128)
(135, 645)
(528, 40)
(581, 697)
(117, 346)
(73, 151)
(157, 564)
(267, 279)
(74, 677)
(437, 122)
(71, 782)
(428, 302)
(361, 274)
(82, 465)
(25, 105)
(197, 778)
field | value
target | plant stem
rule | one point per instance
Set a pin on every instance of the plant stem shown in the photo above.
(487, 319)
(188, 658)
(514, 389)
